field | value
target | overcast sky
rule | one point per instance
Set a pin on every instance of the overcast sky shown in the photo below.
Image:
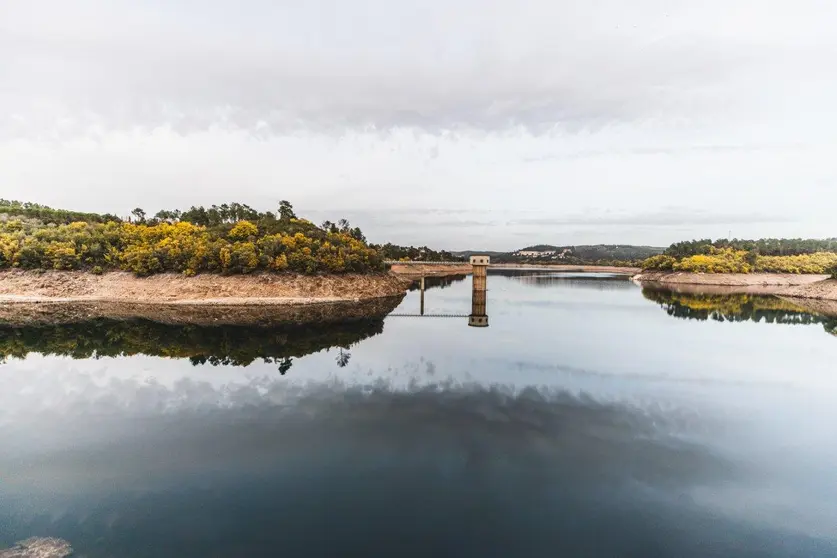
(454, 123)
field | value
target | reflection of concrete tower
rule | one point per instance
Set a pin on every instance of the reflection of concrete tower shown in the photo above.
(479, 317)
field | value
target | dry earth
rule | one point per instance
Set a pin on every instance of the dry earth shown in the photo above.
(815, 287)
(819, 290)
(168, 288)
(260, 314)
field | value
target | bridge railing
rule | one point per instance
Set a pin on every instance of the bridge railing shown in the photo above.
(395, 262)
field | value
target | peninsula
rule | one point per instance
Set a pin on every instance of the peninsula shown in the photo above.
(229, 254)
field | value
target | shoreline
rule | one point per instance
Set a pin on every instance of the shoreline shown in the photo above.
(166, 289)
(430, 270)
(564, 267)
(55, 312)
(812, 287)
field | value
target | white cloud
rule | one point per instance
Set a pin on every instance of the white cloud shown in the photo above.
(538, 110)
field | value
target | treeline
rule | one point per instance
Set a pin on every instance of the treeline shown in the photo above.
(48, 215)
(748, 256)
(411, 253)
(222, 217)
(231, 238)
(764, 246)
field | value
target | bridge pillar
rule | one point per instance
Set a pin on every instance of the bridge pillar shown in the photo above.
(422, 295)
(479, 316)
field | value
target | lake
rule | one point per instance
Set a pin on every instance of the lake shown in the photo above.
(591, 418)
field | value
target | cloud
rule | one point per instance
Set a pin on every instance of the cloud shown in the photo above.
(119, 65)
(664, 150)
(551, 113)
(677, 216)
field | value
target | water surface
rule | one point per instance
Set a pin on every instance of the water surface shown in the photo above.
(590, 419)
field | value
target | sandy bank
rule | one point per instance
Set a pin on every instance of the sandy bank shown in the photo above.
(206, 289)
(260, 314)
(815, 287)
(416, 270)
(783, 280)
(819, 290)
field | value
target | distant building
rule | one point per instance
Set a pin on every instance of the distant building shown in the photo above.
(552, 254)
(535, 253)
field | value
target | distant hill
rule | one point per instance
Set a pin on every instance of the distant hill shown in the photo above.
(468, 253)
(604, 254)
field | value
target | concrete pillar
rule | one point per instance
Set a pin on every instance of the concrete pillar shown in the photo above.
(422, 295)
(479, 315)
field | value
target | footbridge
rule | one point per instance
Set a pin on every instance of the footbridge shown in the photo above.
(478, 316)
(420, 262)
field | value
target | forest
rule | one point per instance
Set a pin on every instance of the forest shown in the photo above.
(394, 252)
(763, 246)
(230, 238)
(748, 256)
(48, 215)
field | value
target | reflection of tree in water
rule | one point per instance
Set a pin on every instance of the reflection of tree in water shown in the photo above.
(225, 345)
(437, 282)
(343, 357)
(736, 308)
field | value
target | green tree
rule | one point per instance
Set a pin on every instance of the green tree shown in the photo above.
(286, 211)
(139, 215)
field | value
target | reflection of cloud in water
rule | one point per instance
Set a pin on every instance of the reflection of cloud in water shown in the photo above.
(595, 281)
(431, 470)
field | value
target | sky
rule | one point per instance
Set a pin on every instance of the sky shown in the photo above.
(457, 124)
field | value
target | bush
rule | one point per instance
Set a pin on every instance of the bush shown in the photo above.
(659, 263)
(725, 260)
(820, 262)
(729, 260)
(243, 230)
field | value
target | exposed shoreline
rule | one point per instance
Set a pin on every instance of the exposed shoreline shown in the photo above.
(262, 315)
(168, 289)
(576, 268)
(430, 270)
(814, 287)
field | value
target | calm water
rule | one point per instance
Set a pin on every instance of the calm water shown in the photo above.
(590, 419)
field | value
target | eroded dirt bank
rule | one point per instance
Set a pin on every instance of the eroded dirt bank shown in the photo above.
(261, 314)
(815, 287)
(206, 289)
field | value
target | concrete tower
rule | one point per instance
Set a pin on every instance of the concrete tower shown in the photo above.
(479, 317)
